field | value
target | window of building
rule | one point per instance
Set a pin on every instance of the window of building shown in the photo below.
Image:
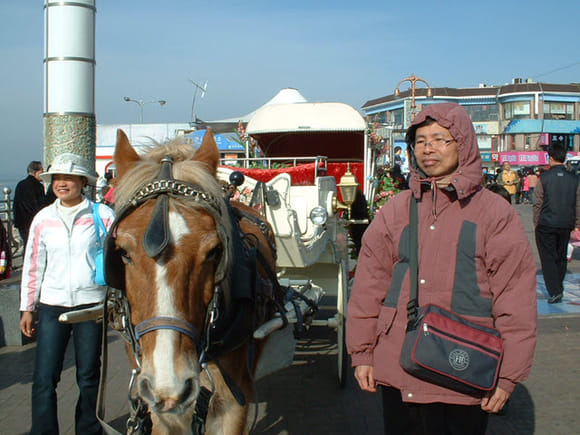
(563, 140)
(517, 110)
(395, 117)
(482, 112)
(377, 117)
(512, 142)
(527, 142)
(553, 110)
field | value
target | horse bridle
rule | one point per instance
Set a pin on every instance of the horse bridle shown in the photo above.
(155, 240)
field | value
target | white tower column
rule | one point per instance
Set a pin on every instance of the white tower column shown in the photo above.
(69, 79)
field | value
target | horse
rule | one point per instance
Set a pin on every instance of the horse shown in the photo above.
(197, 272)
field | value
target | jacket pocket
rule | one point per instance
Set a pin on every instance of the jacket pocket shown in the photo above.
(385, 320)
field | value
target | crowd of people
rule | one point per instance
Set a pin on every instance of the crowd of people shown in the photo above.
(520, 183)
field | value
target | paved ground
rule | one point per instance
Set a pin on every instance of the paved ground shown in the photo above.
(305, 398)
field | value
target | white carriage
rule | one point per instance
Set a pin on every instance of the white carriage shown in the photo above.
(319, 144)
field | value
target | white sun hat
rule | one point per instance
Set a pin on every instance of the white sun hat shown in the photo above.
(69, 164)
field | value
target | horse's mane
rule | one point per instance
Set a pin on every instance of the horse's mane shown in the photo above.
(184, 169)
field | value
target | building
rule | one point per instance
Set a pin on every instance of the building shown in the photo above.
(513, 122)
(140, 135)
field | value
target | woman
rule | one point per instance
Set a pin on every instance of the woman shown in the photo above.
(509, 179)
(532, 182)
(58, 276)
(474, 258)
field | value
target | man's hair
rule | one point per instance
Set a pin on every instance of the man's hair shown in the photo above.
(34, 166)
(557, 152)
(412, 131)
(398, 148)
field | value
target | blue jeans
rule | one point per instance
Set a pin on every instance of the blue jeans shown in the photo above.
(51, 344)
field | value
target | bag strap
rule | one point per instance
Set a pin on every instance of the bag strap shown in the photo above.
(99, 225)
(412, 306)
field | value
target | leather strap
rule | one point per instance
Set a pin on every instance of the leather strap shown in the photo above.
(412, 306)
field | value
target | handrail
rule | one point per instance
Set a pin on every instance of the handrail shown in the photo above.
(320, 162)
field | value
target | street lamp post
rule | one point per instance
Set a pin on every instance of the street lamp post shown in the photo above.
(197, 88)
(141, 103)
(413, 79)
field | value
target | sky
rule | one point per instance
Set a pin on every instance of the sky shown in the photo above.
(247, 51)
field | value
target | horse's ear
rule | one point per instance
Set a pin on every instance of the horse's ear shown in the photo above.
(125, 156)
(208, 152)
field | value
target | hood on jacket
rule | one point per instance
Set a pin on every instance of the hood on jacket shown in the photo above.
(467, 177)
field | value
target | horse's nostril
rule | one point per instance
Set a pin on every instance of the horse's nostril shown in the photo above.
(187, 390)
(145, 388)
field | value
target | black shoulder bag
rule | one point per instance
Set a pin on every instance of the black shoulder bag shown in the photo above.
(442, 347)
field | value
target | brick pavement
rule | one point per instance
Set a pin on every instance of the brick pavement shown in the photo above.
(305, 398)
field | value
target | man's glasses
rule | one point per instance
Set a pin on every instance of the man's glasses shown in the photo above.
(438, 143)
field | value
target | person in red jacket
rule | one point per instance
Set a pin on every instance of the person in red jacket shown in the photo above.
(474, 259)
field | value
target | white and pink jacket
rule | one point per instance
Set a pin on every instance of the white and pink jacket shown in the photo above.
(59, 265)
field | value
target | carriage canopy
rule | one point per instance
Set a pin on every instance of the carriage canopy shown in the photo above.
(335, 130)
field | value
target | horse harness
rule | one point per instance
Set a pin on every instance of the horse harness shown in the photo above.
(230, 316)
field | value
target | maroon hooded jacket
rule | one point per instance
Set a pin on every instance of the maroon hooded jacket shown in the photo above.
(474, 258)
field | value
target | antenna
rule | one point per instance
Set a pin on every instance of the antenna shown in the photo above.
(198, 87)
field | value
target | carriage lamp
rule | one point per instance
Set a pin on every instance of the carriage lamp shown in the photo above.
(348, 186)
(318, 215)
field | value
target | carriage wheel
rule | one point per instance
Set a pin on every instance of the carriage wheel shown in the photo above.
(341, 304)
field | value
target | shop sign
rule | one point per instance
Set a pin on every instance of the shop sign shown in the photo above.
(524, 158)
(528, 158)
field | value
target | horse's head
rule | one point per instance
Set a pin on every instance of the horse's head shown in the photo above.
(170, 251)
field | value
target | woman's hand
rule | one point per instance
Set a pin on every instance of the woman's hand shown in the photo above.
(496, 401)
(27, 323)
(365, 378)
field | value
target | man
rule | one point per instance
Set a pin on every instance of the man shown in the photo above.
(474, 258)
(29, 198)
(398, 156)
(401, 160)
(509, 179)
(556, 214)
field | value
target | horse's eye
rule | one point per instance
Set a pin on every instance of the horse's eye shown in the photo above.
(214, 254)
(125, 257)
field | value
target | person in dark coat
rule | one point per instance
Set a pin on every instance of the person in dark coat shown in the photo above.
(556, 213)
(29, 198)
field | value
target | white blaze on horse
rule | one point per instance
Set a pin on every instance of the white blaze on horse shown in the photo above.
(198, 274)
